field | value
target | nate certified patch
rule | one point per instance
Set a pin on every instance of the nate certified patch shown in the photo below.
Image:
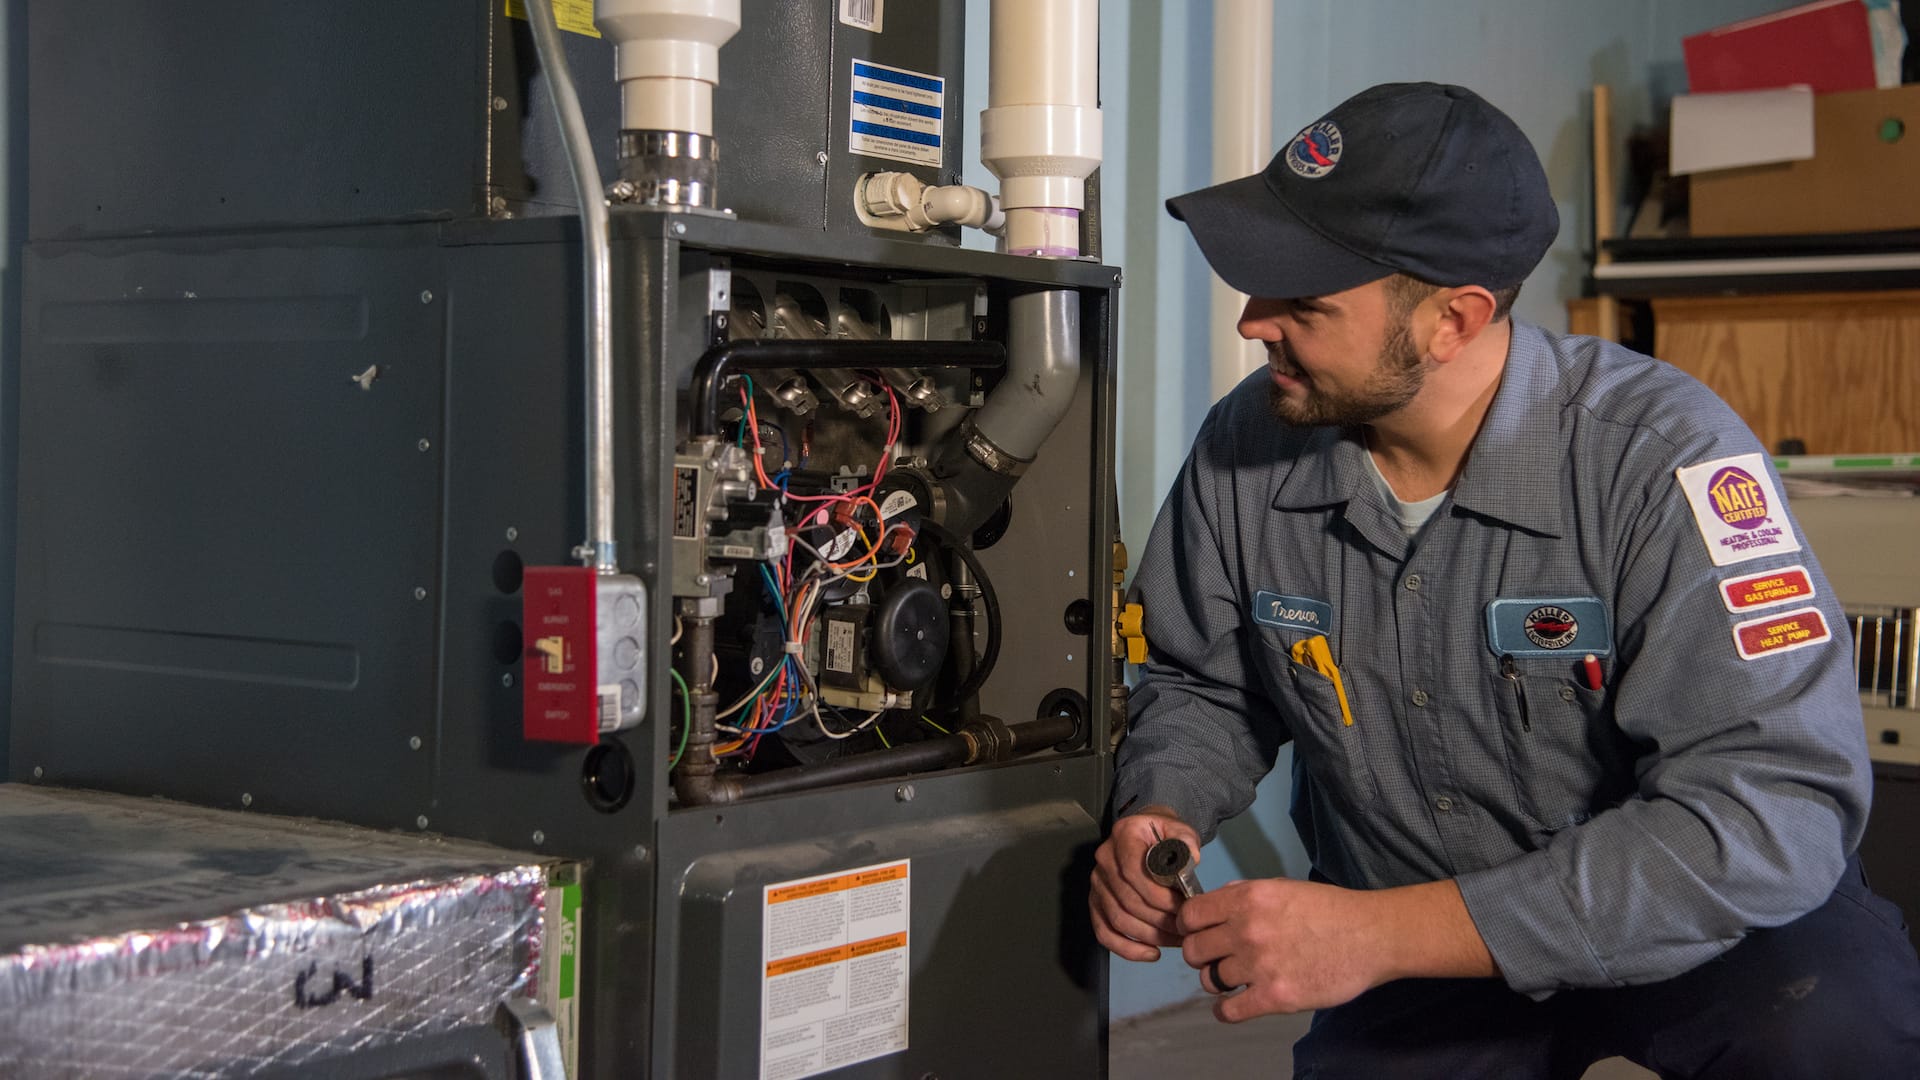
(1740, 515)
(1315, 151)
(1781, 633)
(1293, 612)
(1771, 589)
(1549, 626)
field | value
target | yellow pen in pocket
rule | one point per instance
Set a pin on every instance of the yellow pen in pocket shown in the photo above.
(1313, 653)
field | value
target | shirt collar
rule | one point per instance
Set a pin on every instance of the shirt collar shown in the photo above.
(1504, 477)
(1512, 471)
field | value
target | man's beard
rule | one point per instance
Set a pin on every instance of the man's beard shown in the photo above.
(1395, 379)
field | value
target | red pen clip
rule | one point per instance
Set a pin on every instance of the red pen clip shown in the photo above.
(1590, 667)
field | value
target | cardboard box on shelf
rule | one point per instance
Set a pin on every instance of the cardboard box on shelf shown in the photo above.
(1865, 166)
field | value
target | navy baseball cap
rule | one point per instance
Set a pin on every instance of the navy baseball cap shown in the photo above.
(1413, 178)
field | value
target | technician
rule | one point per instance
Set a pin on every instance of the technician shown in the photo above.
(1578, 751)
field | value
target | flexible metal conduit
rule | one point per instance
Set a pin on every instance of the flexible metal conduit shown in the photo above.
(713, 367)
(599, 551)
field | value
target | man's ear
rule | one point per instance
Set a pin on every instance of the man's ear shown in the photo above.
(1459, 316)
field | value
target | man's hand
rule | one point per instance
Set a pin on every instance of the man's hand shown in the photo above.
(1132, 915)
(1300, 945)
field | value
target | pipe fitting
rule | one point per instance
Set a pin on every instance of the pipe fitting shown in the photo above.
(1040, 133)
(902, 202)
(667, 58)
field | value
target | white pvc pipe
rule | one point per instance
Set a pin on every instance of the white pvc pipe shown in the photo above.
(1040, 133)
(667, 58)
(1242, 143)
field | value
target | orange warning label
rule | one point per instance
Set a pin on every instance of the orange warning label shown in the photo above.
(836, 954)
(1780, 633)
(823, 886)
(1768, 589)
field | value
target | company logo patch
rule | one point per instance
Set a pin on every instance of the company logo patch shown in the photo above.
(1739, 513)
(1770, 589)
(1782, 633)
(1315, 151)
(1292, 612)
(1550, 627)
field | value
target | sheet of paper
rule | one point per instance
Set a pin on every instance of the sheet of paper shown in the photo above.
(1752, 127)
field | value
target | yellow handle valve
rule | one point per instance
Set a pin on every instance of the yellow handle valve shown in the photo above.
(1132, 633)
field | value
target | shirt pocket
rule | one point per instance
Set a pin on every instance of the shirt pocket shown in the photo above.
(1323, 741)
(1552, 728)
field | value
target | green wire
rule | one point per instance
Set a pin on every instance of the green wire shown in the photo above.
(686, 717)
(929, 722)
(883, 738)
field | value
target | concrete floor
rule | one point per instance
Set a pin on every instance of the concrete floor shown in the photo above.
(1185, 1040)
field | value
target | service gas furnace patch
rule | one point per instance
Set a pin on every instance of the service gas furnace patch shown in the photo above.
(1740, 514)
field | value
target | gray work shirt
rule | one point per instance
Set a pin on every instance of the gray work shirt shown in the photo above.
(1715, 783)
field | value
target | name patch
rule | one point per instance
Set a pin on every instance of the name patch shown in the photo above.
(1549, 626)
(1293, 612)
(1780, 633)
(1740, 515)
(1767, 590)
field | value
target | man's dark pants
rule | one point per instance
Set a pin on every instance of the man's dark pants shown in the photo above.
(1834, 994)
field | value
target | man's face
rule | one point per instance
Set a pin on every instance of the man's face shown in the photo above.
(1336, 360)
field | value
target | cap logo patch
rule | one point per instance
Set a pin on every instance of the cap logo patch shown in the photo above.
(1551, 627)
(1315, 151)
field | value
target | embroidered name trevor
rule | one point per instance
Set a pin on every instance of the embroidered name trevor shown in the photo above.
(1292, 612)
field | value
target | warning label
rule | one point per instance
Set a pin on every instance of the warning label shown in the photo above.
(1780, 633)
(897, 114)
(835, 990)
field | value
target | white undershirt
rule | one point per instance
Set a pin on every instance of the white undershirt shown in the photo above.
(1413, 515)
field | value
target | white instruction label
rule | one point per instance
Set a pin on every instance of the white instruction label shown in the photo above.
(865, 14)
(896, 502)
(897, 114)
(835, 991)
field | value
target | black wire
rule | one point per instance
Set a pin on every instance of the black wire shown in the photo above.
(983, 666)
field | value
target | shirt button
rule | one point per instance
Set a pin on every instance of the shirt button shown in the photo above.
(1443, 804)
(1420, 698)
(1566, 693)
(1413, 582)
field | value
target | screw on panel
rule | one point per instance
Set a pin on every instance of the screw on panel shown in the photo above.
(640, 852)
(512, 534)
(903, 793)
(1069, 658)
(499, 104)
(414, 743)
(539, 838)
(424, 445)
(421, 821)
(419, 592)
(246, 799)
(679, 228)
(38, 772)
(426, 296)
(821, 157)
(506, 678)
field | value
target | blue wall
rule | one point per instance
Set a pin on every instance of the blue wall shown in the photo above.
(1536, 59)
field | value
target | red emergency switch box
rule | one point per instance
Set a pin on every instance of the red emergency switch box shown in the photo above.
(560, 691)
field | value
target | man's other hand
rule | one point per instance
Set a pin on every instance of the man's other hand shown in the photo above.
(1300, 945)
(1132, 915)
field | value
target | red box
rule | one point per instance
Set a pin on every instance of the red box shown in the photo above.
(1827, 45)
(558, 689)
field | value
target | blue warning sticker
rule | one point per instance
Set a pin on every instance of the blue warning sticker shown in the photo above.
(897, 114)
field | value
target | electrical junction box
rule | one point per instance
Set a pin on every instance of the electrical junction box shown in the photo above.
(584, 655)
